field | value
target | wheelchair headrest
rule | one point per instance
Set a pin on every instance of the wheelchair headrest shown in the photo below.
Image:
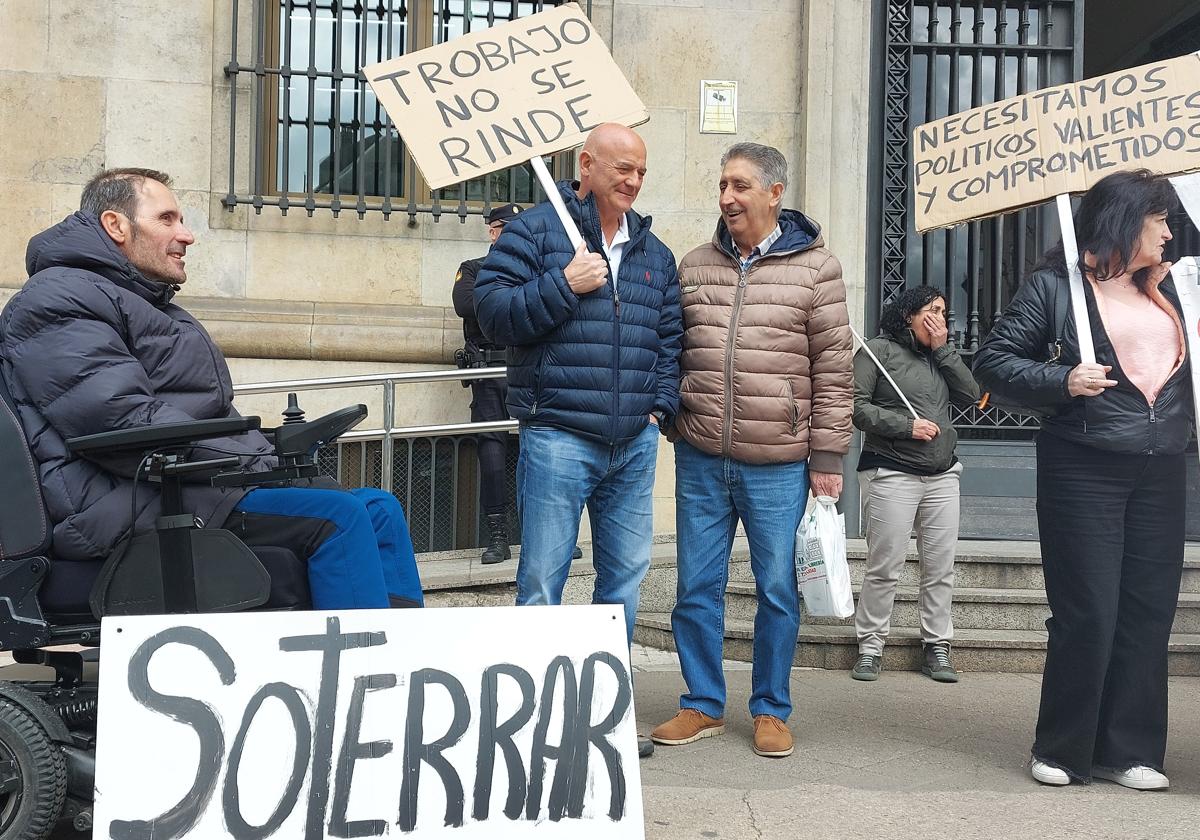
(24, 526)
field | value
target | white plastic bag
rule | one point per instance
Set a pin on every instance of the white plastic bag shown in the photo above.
(822, 572)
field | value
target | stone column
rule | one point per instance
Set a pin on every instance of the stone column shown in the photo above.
(836, 106)
(835, 109)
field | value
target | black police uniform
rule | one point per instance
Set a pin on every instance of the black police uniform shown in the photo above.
(489, 395)
(487, 404)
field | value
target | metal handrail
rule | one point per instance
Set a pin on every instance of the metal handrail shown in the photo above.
(388, 433)
(406, 376)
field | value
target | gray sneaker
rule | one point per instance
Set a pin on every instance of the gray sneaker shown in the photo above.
(867, 667)
(937, 663)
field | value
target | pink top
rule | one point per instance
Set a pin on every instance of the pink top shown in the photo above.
(1146, 341)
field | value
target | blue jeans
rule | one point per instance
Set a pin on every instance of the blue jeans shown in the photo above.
(364, 559)
(711, 494)
(558, 474)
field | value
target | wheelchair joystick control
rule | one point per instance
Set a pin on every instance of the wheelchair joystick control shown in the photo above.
(293, 413)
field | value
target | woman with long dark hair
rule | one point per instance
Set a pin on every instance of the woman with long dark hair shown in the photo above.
(1110, 482)
(909, 474)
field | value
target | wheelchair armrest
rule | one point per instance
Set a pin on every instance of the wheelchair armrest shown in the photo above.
(163, 435)
(297, 439)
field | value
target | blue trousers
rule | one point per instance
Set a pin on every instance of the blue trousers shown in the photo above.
(362, 553)
(559, 473)
(711, 494)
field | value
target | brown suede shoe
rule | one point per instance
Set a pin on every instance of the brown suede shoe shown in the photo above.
(772, 738)
(687, 726)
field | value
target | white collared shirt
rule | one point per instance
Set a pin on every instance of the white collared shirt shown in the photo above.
(617, 248)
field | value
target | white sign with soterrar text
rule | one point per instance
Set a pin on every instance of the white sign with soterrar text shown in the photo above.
(460, 723)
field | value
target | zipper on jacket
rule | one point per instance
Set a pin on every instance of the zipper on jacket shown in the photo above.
(616, 359)
(1153, 431)
(727, 424)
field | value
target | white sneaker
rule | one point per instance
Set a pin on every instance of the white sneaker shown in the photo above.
(1138, 778)
(1048, 775)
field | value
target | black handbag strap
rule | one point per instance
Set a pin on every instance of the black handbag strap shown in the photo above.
(1062, 304)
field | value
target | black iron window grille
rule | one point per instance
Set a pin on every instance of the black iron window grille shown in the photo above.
(318, 138)
(941, 58)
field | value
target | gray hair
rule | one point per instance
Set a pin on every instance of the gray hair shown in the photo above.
(769, 161)
(117, 189)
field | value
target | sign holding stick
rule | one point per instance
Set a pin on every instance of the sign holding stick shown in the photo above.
(501, 96)
(883, 370)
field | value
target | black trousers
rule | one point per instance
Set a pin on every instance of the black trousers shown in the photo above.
(1112, 532)
(487, 404)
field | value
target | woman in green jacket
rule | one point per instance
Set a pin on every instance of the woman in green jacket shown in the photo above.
(909, 474)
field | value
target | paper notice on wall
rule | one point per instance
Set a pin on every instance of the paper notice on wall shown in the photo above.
(500, 96)
(1062, 139)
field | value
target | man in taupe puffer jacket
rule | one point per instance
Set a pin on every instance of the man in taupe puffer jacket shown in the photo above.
(766, 398)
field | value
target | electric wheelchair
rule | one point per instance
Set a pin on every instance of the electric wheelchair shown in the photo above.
(48, 700)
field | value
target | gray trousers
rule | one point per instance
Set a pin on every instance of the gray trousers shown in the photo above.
(893, 505)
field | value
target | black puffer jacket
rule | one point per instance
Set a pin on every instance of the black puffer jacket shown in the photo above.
(90, 345)
(1010, 363)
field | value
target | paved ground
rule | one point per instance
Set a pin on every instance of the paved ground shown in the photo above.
(903, 757)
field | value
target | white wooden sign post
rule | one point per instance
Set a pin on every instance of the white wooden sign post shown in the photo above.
(456, 723)
(505, 95)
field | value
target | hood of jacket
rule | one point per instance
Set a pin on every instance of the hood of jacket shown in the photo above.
(797, 233)
(78, 241)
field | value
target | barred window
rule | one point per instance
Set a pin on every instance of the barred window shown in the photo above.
(319, 138)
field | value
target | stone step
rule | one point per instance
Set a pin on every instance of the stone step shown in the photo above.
(835, 647)
(972, 609)
(979, 564)
(458, 579)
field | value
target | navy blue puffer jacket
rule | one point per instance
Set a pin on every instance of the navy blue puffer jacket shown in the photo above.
(597, 365)
(90, 345)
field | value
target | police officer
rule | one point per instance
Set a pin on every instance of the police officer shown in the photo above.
(488, 396)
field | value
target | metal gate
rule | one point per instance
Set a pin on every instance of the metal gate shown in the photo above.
(939, 58)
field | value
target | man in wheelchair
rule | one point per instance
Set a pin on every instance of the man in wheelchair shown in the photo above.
(121, 452)
(93, 343)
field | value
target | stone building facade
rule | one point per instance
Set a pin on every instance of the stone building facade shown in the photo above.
(87, 85)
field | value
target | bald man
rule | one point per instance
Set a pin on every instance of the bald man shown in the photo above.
(593, 370)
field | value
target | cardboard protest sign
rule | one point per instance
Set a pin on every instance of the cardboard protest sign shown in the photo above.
(464, 723)
(501, 96)
(1186, 275)
(1062, 139)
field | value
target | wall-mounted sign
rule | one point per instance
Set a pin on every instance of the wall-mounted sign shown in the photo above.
(718, 107)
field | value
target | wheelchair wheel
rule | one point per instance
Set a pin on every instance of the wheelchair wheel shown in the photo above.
(33, 777)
